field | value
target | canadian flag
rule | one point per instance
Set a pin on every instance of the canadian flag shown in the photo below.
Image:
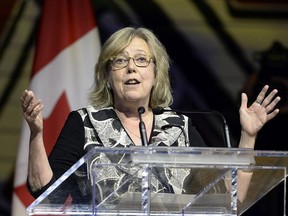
(67, 48)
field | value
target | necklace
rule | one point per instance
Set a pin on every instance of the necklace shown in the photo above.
(127, 128)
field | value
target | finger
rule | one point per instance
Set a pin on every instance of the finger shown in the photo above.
(272, 105)
(32, 115)
(262, 94)
(36, 111)
(24, 98)
(269, 98)
(244, 100)
(33, 106)
(272, 114)
(23, 95)
(27, 104)
(29, 101)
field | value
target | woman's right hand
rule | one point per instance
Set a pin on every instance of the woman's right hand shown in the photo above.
(32, 111)
(39, 170)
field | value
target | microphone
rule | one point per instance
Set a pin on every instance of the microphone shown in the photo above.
(161, 110)
(142, 127)
(181, 128)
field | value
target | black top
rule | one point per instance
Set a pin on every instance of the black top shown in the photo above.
(69, 147)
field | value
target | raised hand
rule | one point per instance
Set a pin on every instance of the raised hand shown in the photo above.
(32, 111)
(262, 110)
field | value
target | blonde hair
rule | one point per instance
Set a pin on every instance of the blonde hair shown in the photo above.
(161, 96)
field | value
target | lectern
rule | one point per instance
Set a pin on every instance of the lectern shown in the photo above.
(193, 181)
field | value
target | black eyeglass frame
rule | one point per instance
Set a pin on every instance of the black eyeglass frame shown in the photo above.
(112, 63)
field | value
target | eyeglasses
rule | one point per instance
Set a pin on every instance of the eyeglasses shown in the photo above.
(121, 62)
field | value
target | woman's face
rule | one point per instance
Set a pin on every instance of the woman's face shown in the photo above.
(133, 84)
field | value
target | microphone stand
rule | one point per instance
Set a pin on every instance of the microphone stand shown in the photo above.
(226, 128)
(181, 128)
(160, 110)
(146, 174)
(142, 127)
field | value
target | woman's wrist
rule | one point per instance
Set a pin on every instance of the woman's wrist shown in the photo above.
(247, 140)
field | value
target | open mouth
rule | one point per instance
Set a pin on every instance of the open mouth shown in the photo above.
(132, 82)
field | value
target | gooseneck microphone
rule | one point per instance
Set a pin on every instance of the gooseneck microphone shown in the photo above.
(161, 110)
(182, 130)
(142, 127)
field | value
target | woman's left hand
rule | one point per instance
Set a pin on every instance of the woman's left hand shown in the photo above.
(262, 110)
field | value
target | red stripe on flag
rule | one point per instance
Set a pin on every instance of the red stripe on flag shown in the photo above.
(61, 24)
(23, 194)
(54, 123)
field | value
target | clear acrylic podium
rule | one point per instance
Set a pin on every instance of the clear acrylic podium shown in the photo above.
(124, 181)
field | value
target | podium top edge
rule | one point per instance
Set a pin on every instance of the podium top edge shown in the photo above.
(189, 150)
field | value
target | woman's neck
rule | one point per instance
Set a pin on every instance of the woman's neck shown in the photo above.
(133, 112)
(130, 122)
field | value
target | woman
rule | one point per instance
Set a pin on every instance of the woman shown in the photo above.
(132, 71)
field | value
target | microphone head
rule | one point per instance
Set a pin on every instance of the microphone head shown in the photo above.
(141, 110)
(158, 110)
